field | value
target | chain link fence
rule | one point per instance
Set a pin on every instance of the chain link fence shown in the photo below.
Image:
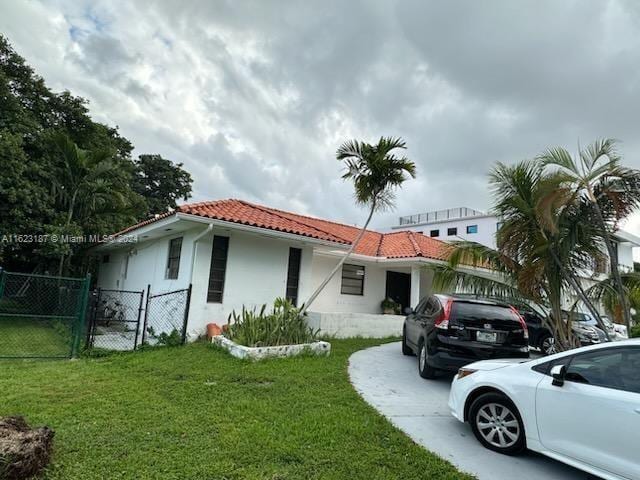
(115, 319)
(41, 316)
(165, 321)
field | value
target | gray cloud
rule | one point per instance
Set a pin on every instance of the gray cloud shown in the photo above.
(254, 97)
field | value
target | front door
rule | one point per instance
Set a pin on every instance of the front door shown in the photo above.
(399, 288)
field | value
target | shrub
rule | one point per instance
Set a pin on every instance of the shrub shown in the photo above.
(635, 331)
(284, 325)
(388, 305)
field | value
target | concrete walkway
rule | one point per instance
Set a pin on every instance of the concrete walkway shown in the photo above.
(390, 382)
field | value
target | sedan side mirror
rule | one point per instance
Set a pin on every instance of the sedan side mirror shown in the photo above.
(558, 372)
(408, 310)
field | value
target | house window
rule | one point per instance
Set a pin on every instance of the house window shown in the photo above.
(472, 228)
(452, 231)
(352, 280)
(293, 275)
(434, 233)
(499, 226)
(173, 261)
(218, 269)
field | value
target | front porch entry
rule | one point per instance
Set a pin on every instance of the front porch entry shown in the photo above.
(398, 288)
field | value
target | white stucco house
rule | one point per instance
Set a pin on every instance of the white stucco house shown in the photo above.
(235, 253)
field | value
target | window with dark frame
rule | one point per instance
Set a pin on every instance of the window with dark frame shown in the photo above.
(218, 269)
(173, 259)
(434, 233)
(352, 280)
(472, 228)
(452, 231)
(293, 275)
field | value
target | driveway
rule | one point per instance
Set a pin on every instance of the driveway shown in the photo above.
(389, 382)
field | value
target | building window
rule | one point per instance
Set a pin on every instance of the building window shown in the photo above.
(472, 228)
(293, 275)
(434, 233)
(452, 231)
(499, 226)
(173, 260)
(352, 280)
(218, 269)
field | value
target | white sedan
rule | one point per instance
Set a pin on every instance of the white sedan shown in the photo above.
(581, 407)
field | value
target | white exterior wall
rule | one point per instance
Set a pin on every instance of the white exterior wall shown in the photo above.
(256, 274)
(331, 300)
(625, 255)
(147, 265)
(487, 228)
(347, 325)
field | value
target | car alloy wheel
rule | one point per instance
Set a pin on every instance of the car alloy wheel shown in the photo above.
(498, 425)
(549, 345)
(423, 357)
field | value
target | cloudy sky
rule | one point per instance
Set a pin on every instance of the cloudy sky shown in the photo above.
(255, 97)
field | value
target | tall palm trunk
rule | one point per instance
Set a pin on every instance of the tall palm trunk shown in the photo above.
(324, 283)
(72, 205)
(575, 284)
(613, 259)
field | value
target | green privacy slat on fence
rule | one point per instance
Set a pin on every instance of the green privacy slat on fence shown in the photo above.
(41, 316)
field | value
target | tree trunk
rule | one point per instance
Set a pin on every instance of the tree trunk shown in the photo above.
(615, 271)
(575, 284)
(72, 205)
(324, 283)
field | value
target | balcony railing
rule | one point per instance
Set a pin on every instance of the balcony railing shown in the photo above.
(441, 215)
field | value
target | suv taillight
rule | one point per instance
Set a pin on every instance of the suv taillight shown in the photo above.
(442, 321)
(522, 322)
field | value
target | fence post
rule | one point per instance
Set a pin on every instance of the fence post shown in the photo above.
(3, 280)
(146, 315)
(93, 317)
(135, 342)
(186, 315)
(82, 314)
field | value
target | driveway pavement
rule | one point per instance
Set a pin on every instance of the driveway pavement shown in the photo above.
(390, 382)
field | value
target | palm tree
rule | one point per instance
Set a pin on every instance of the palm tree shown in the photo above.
(540, 248)
(376, 173)
(84, 183)
(612, 190)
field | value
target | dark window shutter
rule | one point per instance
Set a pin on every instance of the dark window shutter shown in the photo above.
(218, 269)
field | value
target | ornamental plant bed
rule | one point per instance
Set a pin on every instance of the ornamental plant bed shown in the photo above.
(260, 353)
(281, 332)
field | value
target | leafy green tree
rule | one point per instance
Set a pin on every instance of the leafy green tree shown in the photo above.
(376, 173)
(32, 118)
(85, 183)
(161, 182)
(612, 190)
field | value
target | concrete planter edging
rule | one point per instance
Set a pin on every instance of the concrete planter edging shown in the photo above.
(260, 353)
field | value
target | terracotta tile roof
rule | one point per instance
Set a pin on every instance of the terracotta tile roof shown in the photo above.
(404, 244)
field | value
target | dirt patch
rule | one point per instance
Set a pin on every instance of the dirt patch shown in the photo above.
(24, 451)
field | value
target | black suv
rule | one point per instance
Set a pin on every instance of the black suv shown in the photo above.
(448, 332)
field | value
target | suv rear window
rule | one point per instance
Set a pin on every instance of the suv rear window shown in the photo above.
(479, 311)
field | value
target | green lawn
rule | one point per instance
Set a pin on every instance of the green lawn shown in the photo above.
(27, 337)
(196, 413)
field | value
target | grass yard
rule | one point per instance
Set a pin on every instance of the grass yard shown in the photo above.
(32, 337)
(196, 413)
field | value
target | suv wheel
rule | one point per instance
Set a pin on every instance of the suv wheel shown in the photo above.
(424, 369)
(548, 344)
(496, 423)
(406, 349)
